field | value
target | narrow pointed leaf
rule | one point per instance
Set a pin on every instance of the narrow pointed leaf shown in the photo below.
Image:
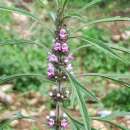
(102, 46)
(4, 79)
(111, 123)
(87, 92)
(81, 103)
(122, 49)
(111, 19)
(111, 77)
(76, 125)
(22, 42)
(17, 10)
(90, 4)
(81, 47)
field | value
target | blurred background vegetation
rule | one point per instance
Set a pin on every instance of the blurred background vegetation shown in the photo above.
(18, 59)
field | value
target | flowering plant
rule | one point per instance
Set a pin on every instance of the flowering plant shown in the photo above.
(60, 70)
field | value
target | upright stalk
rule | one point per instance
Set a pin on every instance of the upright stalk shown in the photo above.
(59, 58)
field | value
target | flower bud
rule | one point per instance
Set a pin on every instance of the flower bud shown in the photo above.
(63, 34)
(52, 114)
(51, 94)
(51, 71)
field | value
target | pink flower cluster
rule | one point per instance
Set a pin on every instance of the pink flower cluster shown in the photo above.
(60, 49)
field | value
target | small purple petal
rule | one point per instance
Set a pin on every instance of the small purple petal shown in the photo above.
(64, 123)
(57, 46)
(65, 47)
(51, 122)
(51, 70)
(52, 58)
(68, 58)
(63, 34)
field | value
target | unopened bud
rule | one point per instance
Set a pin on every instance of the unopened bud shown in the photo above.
(50, 94)
(58, 95)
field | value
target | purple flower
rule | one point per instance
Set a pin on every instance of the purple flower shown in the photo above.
(52, 58)
(64, 123)
(57, 46)
(51, 70)
(51, 122)
(65, 47)
(63, 34)
(68, 58)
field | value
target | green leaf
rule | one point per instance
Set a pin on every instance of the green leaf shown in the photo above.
(110, 122)
(90, 4)
(122, 49)
(81, 47)
(17, 10)
(22, 42)
(74, 16)
(114, 77)
(111, 19)
(81, 103)
(76, 125)
(102, 46)
(109, 45)
(82, 88)
(4, 79)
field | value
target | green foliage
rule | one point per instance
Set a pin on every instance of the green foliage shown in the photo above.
(118, 99)
(22, 60)
(95, 60)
